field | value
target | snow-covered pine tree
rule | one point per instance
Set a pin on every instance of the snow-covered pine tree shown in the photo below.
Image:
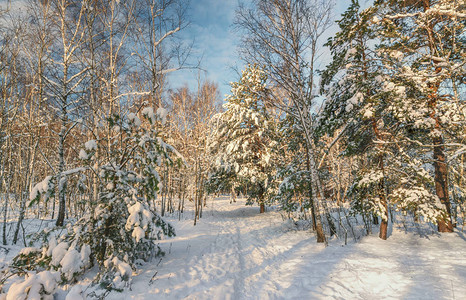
(121, 228)
(291, 170)
(246, 137)
(386, 108)
(294, 192)
(355, 107)
(422, 45)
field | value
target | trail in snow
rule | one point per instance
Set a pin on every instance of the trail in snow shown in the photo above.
(236, 253)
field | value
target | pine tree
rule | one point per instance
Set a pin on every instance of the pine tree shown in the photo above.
(246, 137)
(292, 170)
(386, 88)
(355, 106)
(422, 46)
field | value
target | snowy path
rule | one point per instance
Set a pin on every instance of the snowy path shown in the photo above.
(222, 257)
(236, 253)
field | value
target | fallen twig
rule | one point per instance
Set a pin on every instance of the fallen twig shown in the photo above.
(152, 280)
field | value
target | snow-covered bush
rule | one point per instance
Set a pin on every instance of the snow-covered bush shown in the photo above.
(37, 286)
(121, 228)
(292, 189)
(75, 293)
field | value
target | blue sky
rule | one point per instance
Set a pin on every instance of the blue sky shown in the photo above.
(216, 43)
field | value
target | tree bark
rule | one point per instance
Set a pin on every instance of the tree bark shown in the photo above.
(313, 198)
(262, 207)
(260, 199)
(233, 194)
(383, 232)
(441, 183)
(61, 168)
(440, 166)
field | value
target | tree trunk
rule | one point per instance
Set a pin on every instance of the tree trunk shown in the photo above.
(6, 195)
(61, 168)
(331, 224)
(196, 207)
(19, 191)
(6, 191)
(317, 223)
(441, 183)
(199, 188)
(262, 207)
(2, 168)
(21, 214)
(233, 194)
(5, 215)
(383, 232)
(441, 171)
(313, 212)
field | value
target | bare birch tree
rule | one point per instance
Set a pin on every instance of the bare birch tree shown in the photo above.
(158, 50)
(63, 79)
(284, 36)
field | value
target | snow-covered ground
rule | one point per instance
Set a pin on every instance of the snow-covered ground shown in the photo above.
(236, 253)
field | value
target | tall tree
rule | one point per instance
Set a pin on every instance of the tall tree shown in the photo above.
(63, 78)
(422, 42)
(393, 74)
(356, 109)
(284, 36)
(158, 23)
(246, 136)
(9, 105)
